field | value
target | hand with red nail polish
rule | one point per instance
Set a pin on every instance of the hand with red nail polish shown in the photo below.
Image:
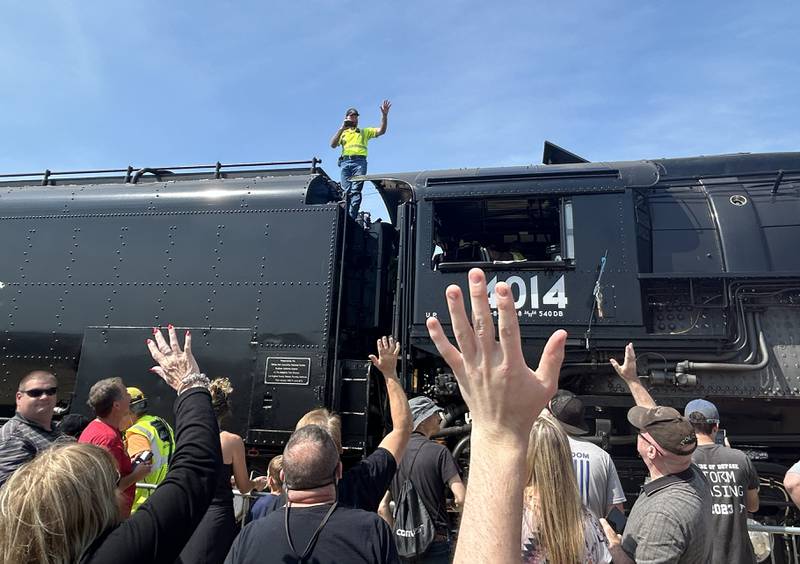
(174, 364)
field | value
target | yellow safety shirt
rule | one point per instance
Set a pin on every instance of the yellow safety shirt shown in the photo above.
(354, 141)
(161, 441)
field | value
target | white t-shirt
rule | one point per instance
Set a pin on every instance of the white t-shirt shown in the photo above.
(598, 481)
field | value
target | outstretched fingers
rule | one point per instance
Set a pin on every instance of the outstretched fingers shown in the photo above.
(551, 360)
(187, 345)
(630, 354)
(508, 324)
(163, 346)
(483, 324)
(462, 329)
(157, 355)
(173, 338)
(449, 353)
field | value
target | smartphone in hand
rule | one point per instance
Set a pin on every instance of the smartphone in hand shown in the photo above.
(142, 458)
(617, 520)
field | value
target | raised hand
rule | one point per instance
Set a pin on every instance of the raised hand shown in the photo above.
(385, 107)
(628, 369)
(386, 361)
(630, 376)
(174, 364)
(503, 394)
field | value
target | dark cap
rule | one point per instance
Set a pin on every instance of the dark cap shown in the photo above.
(568, 409)
(351, 111)
(667, 426)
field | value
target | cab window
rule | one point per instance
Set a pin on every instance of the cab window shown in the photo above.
(502, 231)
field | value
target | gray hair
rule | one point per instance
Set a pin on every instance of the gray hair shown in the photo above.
(310, 459)
(104, 393)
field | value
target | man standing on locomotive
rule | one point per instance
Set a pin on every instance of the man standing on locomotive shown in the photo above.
(353, 161)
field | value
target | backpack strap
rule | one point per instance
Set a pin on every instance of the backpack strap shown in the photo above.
(410, 466)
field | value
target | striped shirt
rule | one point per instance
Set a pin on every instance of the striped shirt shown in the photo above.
(20, 440)
(598, 481)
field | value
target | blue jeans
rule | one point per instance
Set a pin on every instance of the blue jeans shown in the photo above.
(353, 166)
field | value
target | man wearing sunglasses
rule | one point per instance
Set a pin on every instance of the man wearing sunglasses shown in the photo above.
(670, 520)
(30, 430)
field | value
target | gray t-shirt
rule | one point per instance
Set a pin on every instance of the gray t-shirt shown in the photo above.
(795, 469)
(730, 474)
(598, 481)
(669, 521)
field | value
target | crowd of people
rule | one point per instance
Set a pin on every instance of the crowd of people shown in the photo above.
(536, 491)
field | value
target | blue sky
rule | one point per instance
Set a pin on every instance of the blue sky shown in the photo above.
(105, 84)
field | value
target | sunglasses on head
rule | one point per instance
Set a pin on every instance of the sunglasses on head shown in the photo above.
(652, 444)
(38, 392)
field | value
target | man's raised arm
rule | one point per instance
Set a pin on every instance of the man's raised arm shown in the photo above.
(628, 373)
(504, 397)
(384, 117)
(386, 361)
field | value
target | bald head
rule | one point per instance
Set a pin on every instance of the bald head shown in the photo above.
(310, 459)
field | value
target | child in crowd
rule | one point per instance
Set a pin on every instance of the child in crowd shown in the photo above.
(265, 505)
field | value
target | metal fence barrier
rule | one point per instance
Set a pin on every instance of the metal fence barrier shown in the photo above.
(241, 502)
(777, 545)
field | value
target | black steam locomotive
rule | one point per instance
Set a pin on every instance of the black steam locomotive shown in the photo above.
(695, 260)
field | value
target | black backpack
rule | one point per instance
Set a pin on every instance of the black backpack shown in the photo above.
(414, 529)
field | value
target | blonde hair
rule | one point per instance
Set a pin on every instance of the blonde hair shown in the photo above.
(558, 512)
(274, 471)
(327, 420)
(220, 389)
(54, 507)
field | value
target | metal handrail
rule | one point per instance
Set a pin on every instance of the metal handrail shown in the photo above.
(773, 529)
(216, 167)
(253, 494)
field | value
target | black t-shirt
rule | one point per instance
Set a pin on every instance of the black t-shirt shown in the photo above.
(730, 474)
(350, 535)
(433, 468)
(364, 485)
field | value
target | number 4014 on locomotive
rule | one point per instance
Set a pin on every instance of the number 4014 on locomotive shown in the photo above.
(695, 260)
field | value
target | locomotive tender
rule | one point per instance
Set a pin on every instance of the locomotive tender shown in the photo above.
(695, 260)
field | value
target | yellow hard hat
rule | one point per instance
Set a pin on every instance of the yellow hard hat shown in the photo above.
(136, 394)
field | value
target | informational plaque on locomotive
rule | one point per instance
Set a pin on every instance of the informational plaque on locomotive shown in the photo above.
(287, 370)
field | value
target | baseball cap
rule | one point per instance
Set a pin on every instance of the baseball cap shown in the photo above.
(136, 394)
(667, 426)
(701, 411)
(421, 408)
(568, 409)
(351, 111)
